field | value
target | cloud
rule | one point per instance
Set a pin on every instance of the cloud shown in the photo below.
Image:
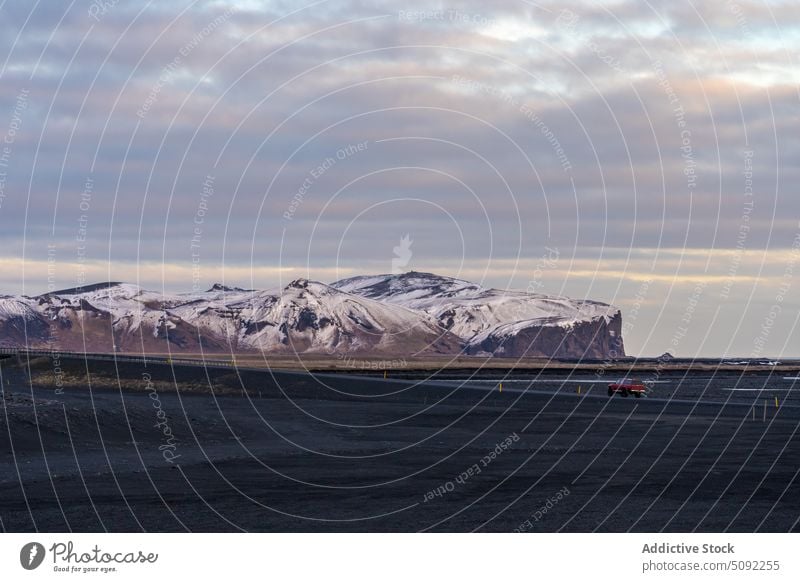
(492, 132)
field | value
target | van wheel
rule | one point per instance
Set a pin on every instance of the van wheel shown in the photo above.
(637, 394)
(624, 393)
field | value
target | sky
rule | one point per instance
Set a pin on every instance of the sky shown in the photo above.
(643, 154)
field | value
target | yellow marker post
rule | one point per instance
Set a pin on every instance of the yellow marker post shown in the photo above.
(501, 386)
(776, 402)
(385, 373)
(579, 388)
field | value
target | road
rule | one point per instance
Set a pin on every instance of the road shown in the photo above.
(296, 452)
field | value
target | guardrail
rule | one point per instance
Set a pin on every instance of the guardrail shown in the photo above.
(116, 357)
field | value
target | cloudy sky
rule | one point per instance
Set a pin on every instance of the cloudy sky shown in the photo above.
(640, 153)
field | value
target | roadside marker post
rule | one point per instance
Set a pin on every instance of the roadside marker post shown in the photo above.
(776, 402)
(501, 386)
(765, 411)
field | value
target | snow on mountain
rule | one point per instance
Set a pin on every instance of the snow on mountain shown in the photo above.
(596, 338)
(11, 308)
(18, 321)
(414, 313)
(304, 316)
(310, 316)
(417, 290)
(128, 306)
(486, 319)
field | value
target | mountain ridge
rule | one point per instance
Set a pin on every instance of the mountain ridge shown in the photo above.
(406, 314)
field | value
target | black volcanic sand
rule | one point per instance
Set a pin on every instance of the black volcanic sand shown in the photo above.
(294, 452)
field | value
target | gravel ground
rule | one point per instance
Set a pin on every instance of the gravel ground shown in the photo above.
(164, 448)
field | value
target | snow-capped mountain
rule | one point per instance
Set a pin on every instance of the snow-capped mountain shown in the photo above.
(306, 316)
(303, 317)
(498, 322)
(397, 315)
(18, 320)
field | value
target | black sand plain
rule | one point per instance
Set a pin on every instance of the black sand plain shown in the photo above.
(280, 451)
